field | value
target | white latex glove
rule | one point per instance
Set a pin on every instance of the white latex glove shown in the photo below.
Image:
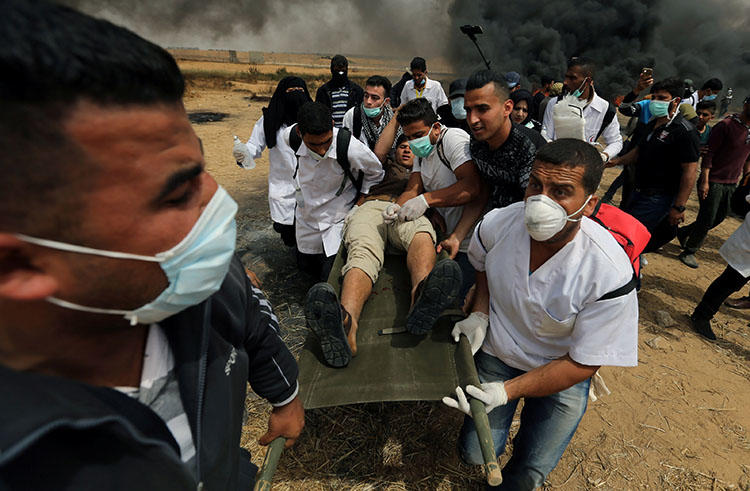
(242, 155)
(413, 209)
(474, 327)
(390, 214)
(459, 402)
(350, 214)
(492, 394)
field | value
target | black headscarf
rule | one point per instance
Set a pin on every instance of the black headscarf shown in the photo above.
(524, 95)
(283, 107)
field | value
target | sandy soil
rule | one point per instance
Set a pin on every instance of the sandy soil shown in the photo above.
(680, 420)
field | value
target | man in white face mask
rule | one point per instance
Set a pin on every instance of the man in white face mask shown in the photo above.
(554, 302)
(125, 316)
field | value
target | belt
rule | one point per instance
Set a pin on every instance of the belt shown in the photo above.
(380, 197)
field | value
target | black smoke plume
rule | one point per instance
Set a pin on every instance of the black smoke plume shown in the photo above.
(696, 39)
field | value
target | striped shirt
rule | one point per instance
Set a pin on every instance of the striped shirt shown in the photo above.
(339, 105)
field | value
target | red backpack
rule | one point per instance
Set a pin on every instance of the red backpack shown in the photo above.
(631, 234)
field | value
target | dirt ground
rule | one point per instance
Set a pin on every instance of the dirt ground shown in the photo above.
(680, 420)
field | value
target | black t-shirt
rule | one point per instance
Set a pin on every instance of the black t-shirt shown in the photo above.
(506, 169)
(661, 153)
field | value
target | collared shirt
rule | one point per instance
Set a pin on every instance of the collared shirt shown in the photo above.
(728, 150)
(325, 194)
(507, 168)
(281, 164)
(432, 91)
(539, 317)
(593, 115)
(437, 175)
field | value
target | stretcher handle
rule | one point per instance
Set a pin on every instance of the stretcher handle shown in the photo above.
(267, 470)
(467, 374)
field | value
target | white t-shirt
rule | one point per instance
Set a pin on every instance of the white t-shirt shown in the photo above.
(281, 163)
(539, 317)
(436, 175)
(432, 91)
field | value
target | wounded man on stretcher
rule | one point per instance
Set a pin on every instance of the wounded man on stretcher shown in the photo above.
(370, 229)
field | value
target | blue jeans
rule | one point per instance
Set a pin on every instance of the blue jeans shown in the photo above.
(547, 425)
(650, 210)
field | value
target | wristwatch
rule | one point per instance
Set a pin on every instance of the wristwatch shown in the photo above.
(679, 208)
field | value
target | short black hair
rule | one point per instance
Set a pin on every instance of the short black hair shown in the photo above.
(547, 80)
(314, 118)
(51, 58)
(339, 60)
(417, 110)
(572, 152)
(380, 81)
(706, 106)
(480, 78)
(401, 139)
(712, 84)
(418, 63)
(587, 65)
(674, 86)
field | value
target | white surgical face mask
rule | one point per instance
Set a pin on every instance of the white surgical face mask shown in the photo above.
(195, 267)
(316, 156)
(545, 217)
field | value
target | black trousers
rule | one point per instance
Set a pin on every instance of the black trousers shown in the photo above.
(727, 283)
(316, 265)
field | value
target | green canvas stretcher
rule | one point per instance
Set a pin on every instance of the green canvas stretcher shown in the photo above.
(388, 367)
(399, 366)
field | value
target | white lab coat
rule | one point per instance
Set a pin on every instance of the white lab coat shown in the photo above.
(593, 115)
(281, 164)
(324, 194)
(539, 317)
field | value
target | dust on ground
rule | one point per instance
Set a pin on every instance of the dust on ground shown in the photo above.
(679, 420)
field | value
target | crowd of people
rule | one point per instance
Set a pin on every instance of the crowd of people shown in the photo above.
(130, 329)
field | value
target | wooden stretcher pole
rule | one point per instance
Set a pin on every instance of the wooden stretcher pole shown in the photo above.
(467, 375)
(267, 470)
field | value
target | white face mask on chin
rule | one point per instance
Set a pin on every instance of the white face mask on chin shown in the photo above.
(545, 217)
(195, 267)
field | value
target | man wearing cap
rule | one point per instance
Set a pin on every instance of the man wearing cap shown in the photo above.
(339, 93)
(420, 86)
(514, 81)
(453, 115)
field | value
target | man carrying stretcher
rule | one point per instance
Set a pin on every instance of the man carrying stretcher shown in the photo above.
(392, 217)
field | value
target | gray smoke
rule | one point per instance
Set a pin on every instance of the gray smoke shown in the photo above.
(697, 39)
(383, 28)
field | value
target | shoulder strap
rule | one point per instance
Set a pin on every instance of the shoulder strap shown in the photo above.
(294, 139)
(608, 117)
(441, 151)
(342, 157)
(357, 127)
(623, 290)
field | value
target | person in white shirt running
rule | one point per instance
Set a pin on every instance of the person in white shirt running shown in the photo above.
(555, 300)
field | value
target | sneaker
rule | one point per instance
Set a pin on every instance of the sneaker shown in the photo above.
(434, 294)
(324, 317)
(688, 260)
(703, 327)
(738, 303)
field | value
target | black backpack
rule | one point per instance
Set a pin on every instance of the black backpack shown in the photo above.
(342, 153)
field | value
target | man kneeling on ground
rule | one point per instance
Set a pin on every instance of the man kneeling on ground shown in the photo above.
(367, 234)
(555, 299)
